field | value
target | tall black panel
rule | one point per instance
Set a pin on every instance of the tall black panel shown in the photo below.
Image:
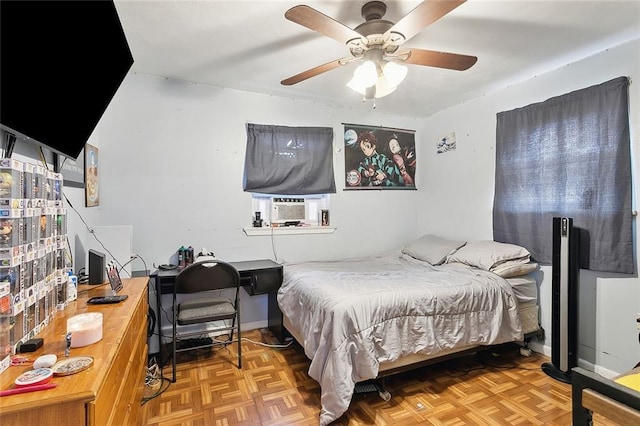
(97, 265)
(61, 64)
(564, 300)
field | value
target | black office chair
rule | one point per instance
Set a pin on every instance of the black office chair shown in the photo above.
(203, 277)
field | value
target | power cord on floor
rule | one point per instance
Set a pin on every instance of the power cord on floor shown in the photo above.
(483, 360)
(269, 345)
(486, 356)
(154, 375)
(155, 381)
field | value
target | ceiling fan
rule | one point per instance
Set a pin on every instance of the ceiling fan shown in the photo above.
(378, 41)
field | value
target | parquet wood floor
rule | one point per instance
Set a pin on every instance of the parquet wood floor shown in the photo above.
(491, 388)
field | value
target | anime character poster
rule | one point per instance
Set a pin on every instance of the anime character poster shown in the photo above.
(379, 158)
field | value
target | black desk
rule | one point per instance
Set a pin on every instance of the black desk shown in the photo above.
(262, 276)
(256, 276)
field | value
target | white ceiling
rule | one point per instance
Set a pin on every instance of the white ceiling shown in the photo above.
(250, 46)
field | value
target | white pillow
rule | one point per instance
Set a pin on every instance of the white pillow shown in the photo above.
(487, 254)
(514, 268)
(432, 249)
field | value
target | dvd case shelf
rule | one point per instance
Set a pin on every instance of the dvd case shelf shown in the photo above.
(33, 278)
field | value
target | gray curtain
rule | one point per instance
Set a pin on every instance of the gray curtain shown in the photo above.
(568, 156)
(289, 160)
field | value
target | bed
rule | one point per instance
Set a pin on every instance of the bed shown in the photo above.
(358, 318)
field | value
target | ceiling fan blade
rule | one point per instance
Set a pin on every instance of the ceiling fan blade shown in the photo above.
(315, 71)
(424, 14)
(321, 23)
(431, 58)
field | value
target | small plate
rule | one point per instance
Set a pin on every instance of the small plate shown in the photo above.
(72, 365)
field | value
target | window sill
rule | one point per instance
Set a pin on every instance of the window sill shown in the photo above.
(289, 230)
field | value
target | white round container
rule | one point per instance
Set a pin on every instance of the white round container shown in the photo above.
(39, 376)
(85, 329)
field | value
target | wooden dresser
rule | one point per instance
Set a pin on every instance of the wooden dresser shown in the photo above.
(110, 391)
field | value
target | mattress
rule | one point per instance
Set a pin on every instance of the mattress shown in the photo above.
(524, 287)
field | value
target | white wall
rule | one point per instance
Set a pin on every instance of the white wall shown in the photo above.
(457, 194)
(171, 166)
(172, 154)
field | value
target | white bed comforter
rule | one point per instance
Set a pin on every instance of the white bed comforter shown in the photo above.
(352, 315)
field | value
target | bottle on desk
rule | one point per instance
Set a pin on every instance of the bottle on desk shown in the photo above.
(181, 257)
(189, 256)
(72, 287)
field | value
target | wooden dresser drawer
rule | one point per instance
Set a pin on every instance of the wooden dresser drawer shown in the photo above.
(116, 400)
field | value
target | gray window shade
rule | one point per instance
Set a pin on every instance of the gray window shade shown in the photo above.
(568, 156)
(289, 160)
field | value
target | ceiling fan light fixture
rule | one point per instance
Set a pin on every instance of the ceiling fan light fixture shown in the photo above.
(394, 73)
(383, 88)
(378, 40)
(359, 89)
(364, 76)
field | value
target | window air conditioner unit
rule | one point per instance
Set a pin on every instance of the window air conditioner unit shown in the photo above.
(287, 209)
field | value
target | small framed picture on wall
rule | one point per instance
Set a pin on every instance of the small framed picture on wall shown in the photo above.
(91, 166)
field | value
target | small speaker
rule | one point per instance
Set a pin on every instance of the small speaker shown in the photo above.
(96, 267)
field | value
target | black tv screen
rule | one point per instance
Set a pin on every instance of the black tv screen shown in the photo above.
(62, 62)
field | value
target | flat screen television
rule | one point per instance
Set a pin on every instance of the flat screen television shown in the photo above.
(62, 62)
